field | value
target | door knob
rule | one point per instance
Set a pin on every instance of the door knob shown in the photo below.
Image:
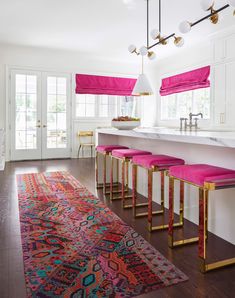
(38, 126)
(44, 126)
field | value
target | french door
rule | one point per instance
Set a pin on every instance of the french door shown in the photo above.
(40, 115)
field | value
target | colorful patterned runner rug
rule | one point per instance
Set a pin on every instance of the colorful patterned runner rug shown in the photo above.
(75, 246)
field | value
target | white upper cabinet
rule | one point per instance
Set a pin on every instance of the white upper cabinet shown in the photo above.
(230, 93)
(224, 48)
(222, 78)
(219, 94)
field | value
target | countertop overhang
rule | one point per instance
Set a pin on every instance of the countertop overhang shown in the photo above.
(203, 137)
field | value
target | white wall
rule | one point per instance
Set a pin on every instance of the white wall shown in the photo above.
(60, 61)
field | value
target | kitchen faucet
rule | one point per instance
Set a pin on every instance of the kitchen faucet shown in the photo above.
(190, 125)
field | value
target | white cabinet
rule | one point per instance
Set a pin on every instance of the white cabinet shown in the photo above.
(219, 94)
(223, 81)
(224, 48)
(230, 93)
(2, 149)
(230, 47)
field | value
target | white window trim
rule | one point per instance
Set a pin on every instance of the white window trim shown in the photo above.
(175, 122)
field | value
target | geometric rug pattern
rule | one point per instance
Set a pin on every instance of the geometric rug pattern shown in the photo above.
(75, 246)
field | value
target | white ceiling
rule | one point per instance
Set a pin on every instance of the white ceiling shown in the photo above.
(99, 27)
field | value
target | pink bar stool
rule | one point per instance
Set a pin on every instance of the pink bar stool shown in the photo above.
(104, 151)
(124, 156)
(152, 163)
(206, 178)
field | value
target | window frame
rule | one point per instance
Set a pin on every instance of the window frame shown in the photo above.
(97, 106)
(175, 122)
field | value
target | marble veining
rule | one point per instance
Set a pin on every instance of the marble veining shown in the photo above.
(213, 138)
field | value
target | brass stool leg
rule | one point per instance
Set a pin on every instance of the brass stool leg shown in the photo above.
(134, 186)
(203, 222)
(111, 179)
(171, 241)
(96, 169)
(162, 190)
(104, 173)
(171, 212)
(203, 195)
(123, 183)
(150, 199)
(182, 202)
(98, 185)
(124, 197)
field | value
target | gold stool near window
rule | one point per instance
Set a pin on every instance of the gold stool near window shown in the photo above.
(85, 139)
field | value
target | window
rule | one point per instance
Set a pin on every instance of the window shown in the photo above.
(104, 106)
(179, 105)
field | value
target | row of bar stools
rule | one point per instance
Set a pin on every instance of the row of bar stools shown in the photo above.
(124, 156)
(104, 151)
(153, 164)
(206, 178)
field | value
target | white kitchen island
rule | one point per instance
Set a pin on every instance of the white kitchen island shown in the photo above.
(211, 147)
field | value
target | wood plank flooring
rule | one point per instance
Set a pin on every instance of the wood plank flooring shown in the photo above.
(220, 283)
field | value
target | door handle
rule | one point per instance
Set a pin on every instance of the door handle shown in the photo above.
(44, 126)
(38, 126)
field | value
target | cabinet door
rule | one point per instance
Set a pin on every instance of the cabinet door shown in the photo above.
(230, 93)
(230, 46)
(219, 92)
(219, 53)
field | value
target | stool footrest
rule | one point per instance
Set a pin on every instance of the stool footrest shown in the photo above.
(164, 227)
(182, 242)
(101, 185)
(137, 205)
(160, 212)
(114, 191)
(212, 266)
(126, 197)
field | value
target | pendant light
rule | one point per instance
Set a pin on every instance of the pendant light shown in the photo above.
(142, 85)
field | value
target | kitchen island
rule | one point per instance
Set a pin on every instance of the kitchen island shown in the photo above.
(215, 147)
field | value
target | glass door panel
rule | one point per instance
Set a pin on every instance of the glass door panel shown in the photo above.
(25, 115)
(56, 120)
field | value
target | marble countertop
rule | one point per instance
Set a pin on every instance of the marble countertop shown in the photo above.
(221, 138)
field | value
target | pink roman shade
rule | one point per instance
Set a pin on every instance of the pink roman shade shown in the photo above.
(89, 84)
(191, 80)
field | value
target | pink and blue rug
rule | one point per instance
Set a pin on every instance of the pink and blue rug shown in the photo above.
(75, 246)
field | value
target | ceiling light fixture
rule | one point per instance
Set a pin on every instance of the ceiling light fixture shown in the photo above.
(213, 16)
(157, 36)
(184, 27)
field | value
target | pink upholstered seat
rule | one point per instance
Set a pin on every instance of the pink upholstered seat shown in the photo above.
(161, 161)
(129, 153)
(200, 173)
(109, 148)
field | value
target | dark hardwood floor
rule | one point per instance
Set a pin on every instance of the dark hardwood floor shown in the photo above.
(220, 283)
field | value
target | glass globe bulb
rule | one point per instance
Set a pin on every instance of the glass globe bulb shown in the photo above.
(184, 27)
(155, 34)
(179, 42)
(143, 51)
(231, 2)
(151, 55)
(132, 48)
(207, 4)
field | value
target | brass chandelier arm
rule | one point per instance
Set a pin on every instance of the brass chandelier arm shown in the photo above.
(214, 12)
(161, 41)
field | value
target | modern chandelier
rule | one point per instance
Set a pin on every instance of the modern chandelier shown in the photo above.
(184, 27)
